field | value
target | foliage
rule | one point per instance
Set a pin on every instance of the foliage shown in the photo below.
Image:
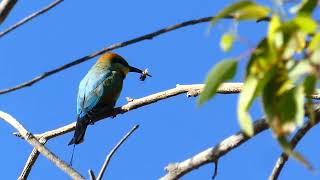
(282, 70)
(223, 71)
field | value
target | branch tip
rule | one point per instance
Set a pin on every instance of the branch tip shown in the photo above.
(129, 99)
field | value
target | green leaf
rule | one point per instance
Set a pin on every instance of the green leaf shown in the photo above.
(283, 104)
(306, 24)
(299, 69)
(315, 42)
(275, 38)
(252, 12)
(226, 42)
(315, 57)
(294, 35)
(287, 148)
(248, 94)
(309, 85)
(243, 10)
(261, 60)
(307, 7)
(314, 49)
(221, 72)
(268, 102)
(298, 99)
(290, 110)
(294, 43)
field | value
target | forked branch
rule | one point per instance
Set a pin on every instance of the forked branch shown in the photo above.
(42, 149)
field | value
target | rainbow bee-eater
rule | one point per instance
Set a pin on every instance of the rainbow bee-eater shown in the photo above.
(99, 91)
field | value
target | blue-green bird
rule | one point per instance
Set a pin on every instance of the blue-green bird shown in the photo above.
(99, 91)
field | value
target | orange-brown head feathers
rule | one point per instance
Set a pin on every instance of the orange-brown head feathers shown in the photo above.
(110, 56)
(116, 62)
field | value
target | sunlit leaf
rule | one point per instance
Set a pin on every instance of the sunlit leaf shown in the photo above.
(248, 94)
(314, 48)
(252, 12)
(299, 69)
(306, 24)
(226, 41)
(298, 95)
(275, 38)
(243, 10)
(223, 71)
(315, 42)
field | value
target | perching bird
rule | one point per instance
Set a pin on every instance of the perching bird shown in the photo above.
(99, 90)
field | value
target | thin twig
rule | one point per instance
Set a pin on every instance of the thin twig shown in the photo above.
(112, 152)
(190, 90)
(112, 47)
(91, 175)
(42, 149)
(215, 173)
(295, 140)
(30, 17)
(5, 7)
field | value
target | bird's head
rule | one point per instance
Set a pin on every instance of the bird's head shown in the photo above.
(115, 62)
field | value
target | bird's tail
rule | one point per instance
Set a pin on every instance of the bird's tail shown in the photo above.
(80, 131)
(71, 159)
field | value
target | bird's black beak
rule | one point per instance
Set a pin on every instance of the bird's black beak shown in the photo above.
(143, 75)
(133, 69)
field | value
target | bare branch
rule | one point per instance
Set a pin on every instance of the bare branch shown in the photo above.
(191, 90)
(108, 159)
(31, 160)
(177, 170)
(30, 17)
(5, 7)
(194, 89)
(112, 47)
(213, 154)
(295, 140)
(42, 149)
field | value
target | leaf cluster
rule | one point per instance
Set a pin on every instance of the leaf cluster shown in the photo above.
(282, 71)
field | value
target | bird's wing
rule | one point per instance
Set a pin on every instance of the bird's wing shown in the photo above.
(91, 90)
(102, 91)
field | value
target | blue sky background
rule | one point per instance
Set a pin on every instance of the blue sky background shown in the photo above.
(171, 130)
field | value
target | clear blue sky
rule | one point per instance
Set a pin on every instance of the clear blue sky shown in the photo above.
(171, 130)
